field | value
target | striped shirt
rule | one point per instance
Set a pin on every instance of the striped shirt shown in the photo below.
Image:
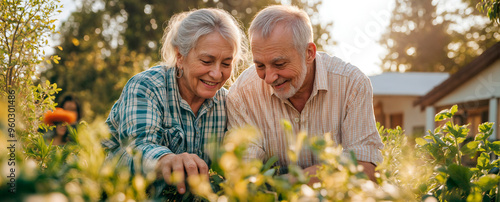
(151, 118)
(341, 104)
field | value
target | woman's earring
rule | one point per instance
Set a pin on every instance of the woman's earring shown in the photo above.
(179, 72)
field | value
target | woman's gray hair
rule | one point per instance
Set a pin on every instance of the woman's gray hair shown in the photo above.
(290, 16)
(184, 30)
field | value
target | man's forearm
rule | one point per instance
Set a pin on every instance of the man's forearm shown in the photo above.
(368, 169)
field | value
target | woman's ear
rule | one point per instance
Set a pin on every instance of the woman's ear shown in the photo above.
(310, 52)
(178, 57)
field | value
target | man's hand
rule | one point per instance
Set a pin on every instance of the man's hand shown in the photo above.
(190, 164)
(368, 169)
(312, 171)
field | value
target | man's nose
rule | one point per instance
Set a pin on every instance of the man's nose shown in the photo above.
(271, 76)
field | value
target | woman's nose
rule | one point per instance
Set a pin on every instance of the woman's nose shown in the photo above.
(215, 72)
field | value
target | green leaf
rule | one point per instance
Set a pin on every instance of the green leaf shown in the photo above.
(438, 140)
(487, 182)
(429, 137)
(263, 197)
(420, 141)
(453, 110)
(217, 179)
(485, 127)
(441, 178)
(496, 163)
(476, 196)
(269, 163)
(446, 113)
(483, 161)
(442, 115)
(459, 177)
(353, 157)
(463, 130)
(460, 139)
(479, 137)
(269, 172)
(470, 148)
(286, 125)
(494, 146)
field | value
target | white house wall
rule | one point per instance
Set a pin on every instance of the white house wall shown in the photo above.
(412, 116)
(483, 86)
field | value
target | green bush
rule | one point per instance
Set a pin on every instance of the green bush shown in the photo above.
(79, 171)
(431, 168)
(452, 181)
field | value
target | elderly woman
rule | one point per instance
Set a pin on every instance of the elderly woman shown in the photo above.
(168, 114)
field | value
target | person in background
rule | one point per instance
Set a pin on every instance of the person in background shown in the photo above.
(70, 106)
(168, 114)
(316, 92)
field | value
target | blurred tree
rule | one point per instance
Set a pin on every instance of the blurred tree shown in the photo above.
(491, 7)
(105, 42)
(419, 38)
(25, 27)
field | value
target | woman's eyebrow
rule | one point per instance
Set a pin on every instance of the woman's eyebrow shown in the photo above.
(213, 57)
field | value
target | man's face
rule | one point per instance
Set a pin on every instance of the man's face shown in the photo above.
(278, 63)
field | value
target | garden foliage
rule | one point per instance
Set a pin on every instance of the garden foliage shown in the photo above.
(431, 169)
(452, 181)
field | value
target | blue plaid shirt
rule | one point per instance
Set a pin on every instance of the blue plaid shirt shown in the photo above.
(152, 119)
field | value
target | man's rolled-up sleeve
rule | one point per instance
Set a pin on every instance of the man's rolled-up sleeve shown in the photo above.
(359, 131)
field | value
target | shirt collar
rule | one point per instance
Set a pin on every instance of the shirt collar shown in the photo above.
(321, 76)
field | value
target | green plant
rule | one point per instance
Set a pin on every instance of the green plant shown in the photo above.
(24, 29)
(403, 165)
(239, 180)
(77, 171)
(452, 181)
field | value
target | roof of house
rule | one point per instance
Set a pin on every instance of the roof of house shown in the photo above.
(467, 72)
(404, 84)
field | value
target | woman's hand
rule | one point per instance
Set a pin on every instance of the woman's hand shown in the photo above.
(190, 164)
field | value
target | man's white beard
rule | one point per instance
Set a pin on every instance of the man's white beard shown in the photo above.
(294, 88)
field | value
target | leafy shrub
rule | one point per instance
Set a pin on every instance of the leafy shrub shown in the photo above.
(409, 172)
(451, 181)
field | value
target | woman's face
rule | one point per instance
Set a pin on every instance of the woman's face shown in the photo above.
(70, 106)
(206, 67)
(61, 130)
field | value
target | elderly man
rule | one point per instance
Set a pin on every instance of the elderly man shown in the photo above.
(318, 93)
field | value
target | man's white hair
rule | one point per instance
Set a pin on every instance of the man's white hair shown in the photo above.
(296, 20)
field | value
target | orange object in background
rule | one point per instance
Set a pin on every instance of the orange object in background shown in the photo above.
(59, 115)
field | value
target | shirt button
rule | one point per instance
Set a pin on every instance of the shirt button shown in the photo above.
(297, 120)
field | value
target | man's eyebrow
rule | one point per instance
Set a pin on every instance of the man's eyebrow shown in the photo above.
(273, 60)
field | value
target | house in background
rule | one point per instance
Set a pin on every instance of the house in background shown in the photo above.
(394, 95)
(476, 90)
